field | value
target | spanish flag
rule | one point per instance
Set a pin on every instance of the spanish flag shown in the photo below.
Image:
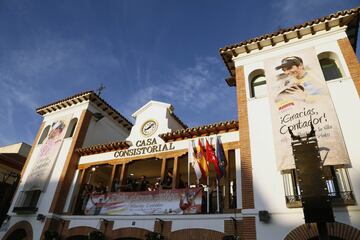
(200, 155)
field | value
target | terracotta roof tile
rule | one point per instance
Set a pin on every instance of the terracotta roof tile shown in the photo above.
(86, 96)
(290, 29)
(200, 131)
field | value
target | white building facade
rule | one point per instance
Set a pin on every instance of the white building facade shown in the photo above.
(91, 172)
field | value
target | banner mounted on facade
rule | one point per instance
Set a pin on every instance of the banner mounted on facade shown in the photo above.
(175, 201)
(298, 95)
(47, 156)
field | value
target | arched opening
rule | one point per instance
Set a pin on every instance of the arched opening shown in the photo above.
(128, 238)
(330, 65)
(257, 82)
(71, 129)
(336, 231)
(78, 237)
(78, 233)
(44, 134)
(199, 234)
(18, 234)
(20, 231)
(131, 233)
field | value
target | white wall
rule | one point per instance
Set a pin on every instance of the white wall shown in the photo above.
(103, 131)
(268, 185)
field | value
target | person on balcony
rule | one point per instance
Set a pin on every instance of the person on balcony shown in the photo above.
(144, 183)
(167, 182)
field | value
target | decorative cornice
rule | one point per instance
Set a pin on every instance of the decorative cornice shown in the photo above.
(200, 131)
(90, 96)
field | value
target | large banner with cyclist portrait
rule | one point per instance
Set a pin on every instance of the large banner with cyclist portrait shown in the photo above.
(47, 155)
(298, 96)
(175, 201)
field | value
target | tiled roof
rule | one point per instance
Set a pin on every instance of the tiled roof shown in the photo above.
(86, 96)
(200, 131)
(101, 148)
(340, 18)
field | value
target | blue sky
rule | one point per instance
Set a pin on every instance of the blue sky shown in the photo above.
(164, 50)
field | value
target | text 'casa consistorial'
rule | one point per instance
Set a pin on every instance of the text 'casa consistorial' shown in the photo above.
(144, 147)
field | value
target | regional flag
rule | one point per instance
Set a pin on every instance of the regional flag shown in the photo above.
(201, 159)
(221, 158)
(211, 157)
(193, 161)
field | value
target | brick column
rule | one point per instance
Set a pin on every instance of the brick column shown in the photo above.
(247, 225)
(351, 61)
(245, 151)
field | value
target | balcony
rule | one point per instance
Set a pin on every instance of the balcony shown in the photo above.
(344, 198)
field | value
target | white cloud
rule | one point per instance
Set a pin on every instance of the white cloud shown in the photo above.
(292, 12)
(195, 88)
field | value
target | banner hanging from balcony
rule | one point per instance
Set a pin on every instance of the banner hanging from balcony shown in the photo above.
(175, 201)
(298, 96)
(46, 156)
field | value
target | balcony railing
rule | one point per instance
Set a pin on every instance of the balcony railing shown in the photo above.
(337, 199)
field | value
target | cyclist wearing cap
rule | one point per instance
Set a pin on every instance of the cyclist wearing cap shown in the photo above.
(300, 87)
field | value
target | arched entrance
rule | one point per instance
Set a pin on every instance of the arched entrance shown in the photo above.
(20, 231)
(196, 234)
(336, 231)
(78, 233)
(128, 238)
(78, 237)
(129, 234)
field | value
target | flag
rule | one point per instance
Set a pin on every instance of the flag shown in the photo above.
(193, 161)
(200, 155)
(221, 158)
(212, 158)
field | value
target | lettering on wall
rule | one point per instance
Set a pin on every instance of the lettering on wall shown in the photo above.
(145, 146)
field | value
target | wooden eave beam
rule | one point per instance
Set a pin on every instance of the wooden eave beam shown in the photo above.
(285, 38)
(259, 45)
(272, 42)
(246, 49)
(312, 30)
(327, 27)
(234, 53)
(341, 22)
(299, 36)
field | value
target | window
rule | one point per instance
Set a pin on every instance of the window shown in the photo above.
(71, 129)
(337, 182)
(257, 83)
(27, 201)
(44, 134)
(330, 66)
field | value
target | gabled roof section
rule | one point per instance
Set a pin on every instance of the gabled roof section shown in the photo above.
(205, 130)
(349, 18)
(102, 148)
(166, 105)
(151, 103)
(90, 96)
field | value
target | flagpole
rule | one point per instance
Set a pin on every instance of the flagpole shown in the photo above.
(207, 195)
(217, 183)
(190, 145)
(217, 196)
(208, 190)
